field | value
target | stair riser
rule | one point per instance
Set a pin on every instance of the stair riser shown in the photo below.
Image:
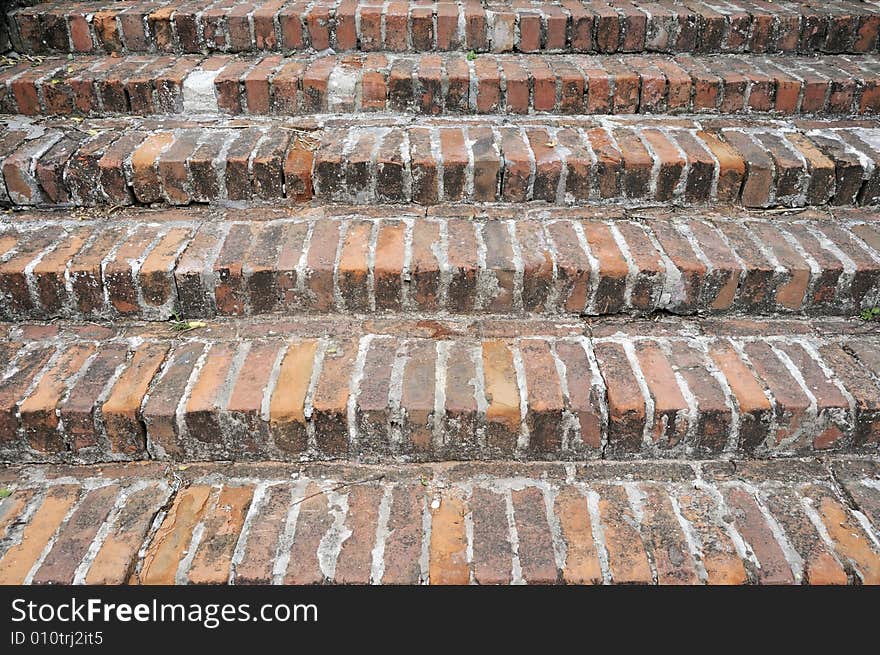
(597, 27)
(379, 395)
(491, 84)
(551, 265)
(677, 161)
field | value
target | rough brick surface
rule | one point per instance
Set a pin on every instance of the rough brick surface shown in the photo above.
(605, 26)
(406, 234)
(369, 390)
(640, 522)
(441, 84)
(198, 265)
(677, 161)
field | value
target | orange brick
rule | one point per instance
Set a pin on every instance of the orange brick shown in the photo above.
(116, 558)
(502, 394)
(173, 538)
(121, 411)
(18, 560)
(223, 523)
(719, 556)
(581, 562)
(626, 552)
(850, 541)
(448, 549)
(287, 407)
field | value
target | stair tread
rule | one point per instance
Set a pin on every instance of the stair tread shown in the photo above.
(412, 389)
(559, 160)
(447, 83)
(456, 259)
(603, 26)
(645, 522)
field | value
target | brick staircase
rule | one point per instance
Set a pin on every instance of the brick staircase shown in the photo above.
(391, 236)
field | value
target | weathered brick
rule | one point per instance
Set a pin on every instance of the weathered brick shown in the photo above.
(313, 521)
(403, 546)
(287, 405)
(330, 401)
(161, 409)
(627, 558)
(462, 416)
(19, 558)
(546, 404)
(222, 524)
(582, 561)
(747, 516)
(260, 548)
(417, 396)
(74, 539)
(626, 405)
(502, 395)
(172, 539)
(354, 564)
(447, 555)
(77, 411)
(754, 407)
(14, 387)
(121, 410)
(39, 411)
(718, 552)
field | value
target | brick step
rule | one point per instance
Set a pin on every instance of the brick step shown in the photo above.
(571, 26)
(414, 389)
(590, 261)
(683, 161)
(448, 83)
(802, 522)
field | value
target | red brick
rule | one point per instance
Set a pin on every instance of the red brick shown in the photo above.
(670, 408)
(536, 554)
(461, 412)
(462, 261)
(20, 558)
(77, 411)
(573, 269)
(747, 516)
(74, 539)
(792, 405)
(754, 408)
(39, 411)
(14, 388)
(244, 408)
(626, 552)
(260, 549)
(424, 267)
(447, 553)
(491, 543)
(222, 524)
(626, 405)
(172, 539)
(718, 553)
(417, 398)
(403, 546)
(330, 402)
(545, 399)
(502, 395)
(160, 410)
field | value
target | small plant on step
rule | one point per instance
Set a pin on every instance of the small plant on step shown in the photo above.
(179, 325)
(870, 314)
